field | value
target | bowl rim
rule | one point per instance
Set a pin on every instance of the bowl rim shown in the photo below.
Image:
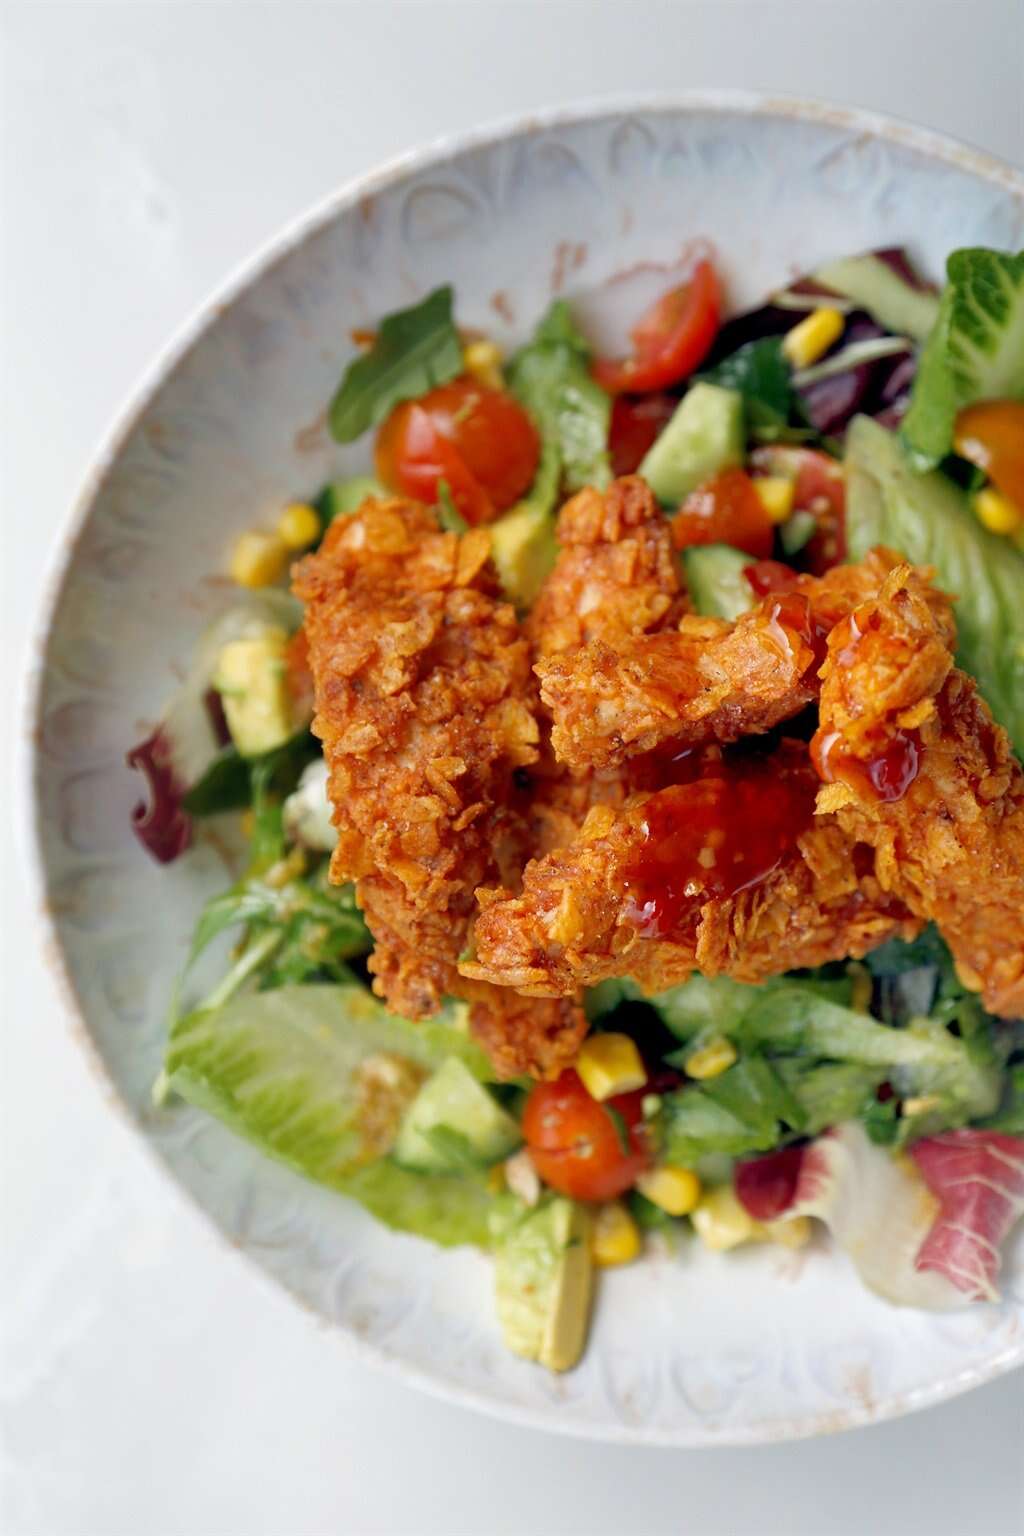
(64, 545)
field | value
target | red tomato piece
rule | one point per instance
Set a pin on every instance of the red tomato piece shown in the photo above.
(578, 1145)
(770, 576)
(671, 340)
(480, 441)
(725, 510)
(819, 487)
(636, 422)
(991, 435)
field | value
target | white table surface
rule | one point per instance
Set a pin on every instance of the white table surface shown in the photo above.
(151, 1383)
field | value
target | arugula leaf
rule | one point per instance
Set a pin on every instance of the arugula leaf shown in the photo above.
(550, 377)
(621, 1130)
(760, 373)
(415, 350)
(448, 514)
(227, 784)
(975, 350)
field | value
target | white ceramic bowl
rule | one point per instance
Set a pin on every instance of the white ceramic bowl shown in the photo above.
(692, 1350)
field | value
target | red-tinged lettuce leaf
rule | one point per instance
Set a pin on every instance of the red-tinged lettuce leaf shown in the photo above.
(978, 1179)
(879, 1211)
(160, 822)
(766, 1186)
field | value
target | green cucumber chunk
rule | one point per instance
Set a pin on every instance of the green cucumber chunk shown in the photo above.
(704, 435)
(454, 1123)
(717, 585)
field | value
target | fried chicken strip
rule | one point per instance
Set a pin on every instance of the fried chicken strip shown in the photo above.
(916, 767)
(423, 703)
(637, 893)
(615, 574)
(706, 680)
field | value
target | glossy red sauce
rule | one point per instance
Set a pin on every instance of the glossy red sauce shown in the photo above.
(715, 836)
(771, 576)
(886, 776)
(794, 611)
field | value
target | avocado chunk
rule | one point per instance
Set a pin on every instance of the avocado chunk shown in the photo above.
(523, 548)
(251, 680)
(717, 585)
(703, 436)
(454, 1123)
(928, 519)
(543, 1284)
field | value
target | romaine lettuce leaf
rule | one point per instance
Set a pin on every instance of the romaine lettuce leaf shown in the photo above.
(282, 1068)
(927, 519)
(975, 350)
(746, 1109)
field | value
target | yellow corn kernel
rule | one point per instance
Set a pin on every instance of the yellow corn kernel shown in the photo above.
(614, 1236)
(299, 525)
(923, 1105)
(482, 360)
(712, 1059)
(258, 559)
(860, 987)
(610, 1064)
(997, 512)
(675, 1190)
(794, 1233)
(720, 1220)
(812, 337)
(776, 493)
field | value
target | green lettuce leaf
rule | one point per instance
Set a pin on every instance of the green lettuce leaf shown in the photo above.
(974, 352)
(551, 378)
(282, 1069)
(928, 519)
(415, 350)
(748, 1108)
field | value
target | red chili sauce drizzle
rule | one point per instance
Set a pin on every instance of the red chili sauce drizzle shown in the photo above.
(885, 775)
(792, 607)
(716, 836)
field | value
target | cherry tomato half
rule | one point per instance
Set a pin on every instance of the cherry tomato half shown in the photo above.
(672, 339)
(725, 510)
(578, 1144)
(480, 441)
(771, 576)
(991, 435)
(819, 487)
(636, 422)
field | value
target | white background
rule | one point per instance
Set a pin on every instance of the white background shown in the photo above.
(151, 1383)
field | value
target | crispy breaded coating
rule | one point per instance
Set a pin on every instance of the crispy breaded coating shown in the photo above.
(916, 767)
(581, 919)
(706, 680)
(615, 574)
(424, 705)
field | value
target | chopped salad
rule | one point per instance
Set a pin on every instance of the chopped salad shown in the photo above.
(633, 827)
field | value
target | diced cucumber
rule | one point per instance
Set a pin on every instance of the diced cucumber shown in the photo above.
(703, 436)
(929, 519)
(454, 1123)
(717, 585)
(542, 1279)
(876, 288)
